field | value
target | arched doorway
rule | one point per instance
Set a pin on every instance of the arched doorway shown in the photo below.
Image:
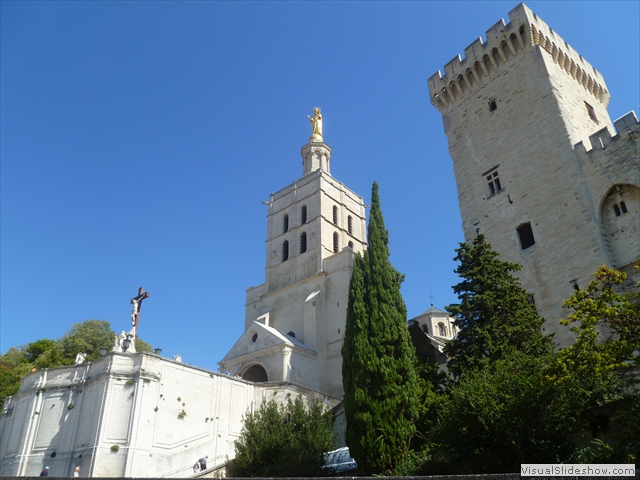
(255, 373)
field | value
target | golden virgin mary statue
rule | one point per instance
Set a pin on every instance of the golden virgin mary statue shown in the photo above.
(316, 126)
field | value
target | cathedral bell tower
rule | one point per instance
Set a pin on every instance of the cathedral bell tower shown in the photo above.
(294, 322)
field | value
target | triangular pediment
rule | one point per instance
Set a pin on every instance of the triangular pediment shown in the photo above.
(260, 337)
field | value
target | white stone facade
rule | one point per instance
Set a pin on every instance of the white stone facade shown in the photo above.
(294, 322)
(128, 415)
(538, 166)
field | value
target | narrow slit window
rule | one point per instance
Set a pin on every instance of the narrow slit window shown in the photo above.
(285, 224)
(592, 113)
(616, 210)
(350, 225)
(335, 215)
(336, 243)
(285, 250)
(525, 233)
(492, 104)
(303, 242)
(623, 207)
(303, 214)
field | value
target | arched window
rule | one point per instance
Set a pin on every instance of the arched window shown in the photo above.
(285, 224)
(336, 242)
(291, 334)
(350, 224)
(441, 329)
(303, 214)
(425, 328)
(285, 250)
(335, 215)
(350, 244)
(303, 242)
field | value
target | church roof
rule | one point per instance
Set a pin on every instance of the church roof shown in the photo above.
(433, 311)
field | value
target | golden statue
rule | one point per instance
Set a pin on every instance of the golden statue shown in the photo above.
(316, 125)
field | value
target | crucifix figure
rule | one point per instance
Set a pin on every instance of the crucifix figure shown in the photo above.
(137, 305)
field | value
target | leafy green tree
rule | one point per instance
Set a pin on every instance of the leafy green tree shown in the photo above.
(502, 415)
(13, 366)
(608, 333)
(378, 360)
(495, 316)
(37, 348)
(592, 370)
(142, 346)
(87, 337)
(284, 441)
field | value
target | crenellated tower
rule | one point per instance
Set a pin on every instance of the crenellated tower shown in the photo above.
(294, 321)
(522, 110)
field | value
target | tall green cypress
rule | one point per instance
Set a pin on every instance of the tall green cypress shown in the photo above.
(495, 315)
(378, 359)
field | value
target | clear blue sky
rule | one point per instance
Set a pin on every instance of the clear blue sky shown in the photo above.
(139, 139)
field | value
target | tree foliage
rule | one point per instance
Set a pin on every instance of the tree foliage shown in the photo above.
(514, 400)
(380, 382)
(607, 325)
(504, 414)
(495, 316)
(87, 337)
(284, 440)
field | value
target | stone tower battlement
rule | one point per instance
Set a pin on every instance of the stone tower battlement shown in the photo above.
(483, 60)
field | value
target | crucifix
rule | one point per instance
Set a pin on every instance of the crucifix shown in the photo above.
(135, 312)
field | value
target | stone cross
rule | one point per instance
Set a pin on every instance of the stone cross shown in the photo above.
(135, 312)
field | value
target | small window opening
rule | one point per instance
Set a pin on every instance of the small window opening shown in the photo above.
(285, 226)
(494, 182)
(335, 215)
(351, 244)
(531, 300)
(526, 236)
(350, 224)
(616, 209)
(623, 207)
(492, 104)
(254, 338)
(304, 214)
(303, 242)
(285, 251)
(592, 113)
(441, 329)
(425, 328)
(335, 243)
(291, 334)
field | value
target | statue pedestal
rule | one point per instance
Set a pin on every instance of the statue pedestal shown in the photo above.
(315, 156)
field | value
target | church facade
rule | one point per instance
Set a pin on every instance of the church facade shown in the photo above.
(294, 321)
(541, 169)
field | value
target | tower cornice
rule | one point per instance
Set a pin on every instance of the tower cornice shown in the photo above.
(484, 60)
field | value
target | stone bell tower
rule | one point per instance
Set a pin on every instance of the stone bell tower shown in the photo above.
(294, 322)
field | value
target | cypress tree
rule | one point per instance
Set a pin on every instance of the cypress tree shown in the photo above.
(496, 316)
(378, 360)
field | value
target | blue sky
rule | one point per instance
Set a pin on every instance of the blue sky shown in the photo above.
(138, 140)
